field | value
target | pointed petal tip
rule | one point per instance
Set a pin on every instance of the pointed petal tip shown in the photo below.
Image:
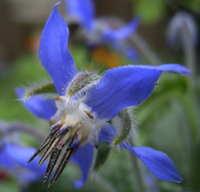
(176, 68)
(58, 3)
(78, 184)
(138, 18)
(136, 21)
(55, 9)
(180, 180)
(157, 162)
(53, 50)
(175, 177)
(184, 71)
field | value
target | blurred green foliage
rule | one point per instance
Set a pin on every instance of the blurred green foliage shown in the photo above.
(152, 11)
(19, 75)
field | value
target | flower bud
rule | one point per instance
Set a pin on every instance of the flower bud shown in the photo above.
(178, 25)
(82, 82)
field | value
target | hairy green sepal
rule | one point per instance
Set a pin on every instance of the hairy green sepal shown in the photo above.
(40, 89)
(126, 126)
(82, 82)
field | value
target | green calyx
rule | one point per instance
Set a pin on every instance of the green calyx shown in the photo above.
(39, 89)
(125, 116)
(102, 155)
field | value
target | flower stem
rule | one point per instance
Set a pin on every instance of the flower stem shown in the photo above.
(8, 128)
(144, 49)
(139, 181)
(189, 52)
(103, 185)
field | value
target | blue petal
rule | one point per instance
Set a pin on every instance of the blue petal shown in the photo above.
(131, 53)
(38, 106)
(5, 161)
(108, 133)
(157, 162)
(83, 157)
(17, 157)
(84, 10)
(54, 53)
(126, 86)
(122, 33)
(19, 171)
(127, 50)
(21, 155)
(25, 175)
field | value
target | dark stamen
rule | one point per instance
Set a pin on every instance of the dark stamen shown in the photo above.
(45, 143)
(55, 127)
(89, 114)
(52, 161)
(63, 162)
(51, 147)
(63, 130)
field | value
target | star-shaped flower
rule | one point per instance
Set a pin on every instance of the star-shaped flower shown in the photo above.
(98, 32)
(88, 102)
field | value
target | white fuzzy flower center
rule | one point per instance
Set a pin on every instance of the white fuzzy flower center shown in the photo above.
(76, 116)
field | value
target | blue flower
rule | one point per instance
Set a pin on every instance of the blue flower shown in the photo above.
(87, 102)
(99, 31)
(14, 159)
(182, 26)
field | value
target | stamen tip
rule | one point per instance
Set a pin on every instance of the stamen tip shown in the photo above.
(50, 183)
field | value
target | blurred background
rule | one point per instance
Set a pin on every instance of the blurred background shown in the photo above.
(168, 121)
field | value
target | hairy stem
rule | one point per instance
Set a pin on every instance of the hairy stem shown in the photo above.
(8, 128)
(138, 179)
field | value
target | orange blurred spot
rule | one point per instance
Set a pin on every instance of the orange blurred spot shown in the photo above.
(32, 42)
(103, 56)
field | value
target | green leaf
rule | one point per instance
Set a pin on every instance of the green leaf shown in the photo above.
(102, 155)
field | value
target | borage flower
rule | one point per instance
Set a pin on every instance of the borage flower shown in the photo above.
(13, 159)
(88, 102)
(101, 32)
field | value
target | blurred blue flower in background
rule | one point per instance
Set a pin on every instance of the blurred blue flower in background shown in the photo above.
(182, 26)
(99, 32)
(183, 34)
(87, 102)
(13, 159)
